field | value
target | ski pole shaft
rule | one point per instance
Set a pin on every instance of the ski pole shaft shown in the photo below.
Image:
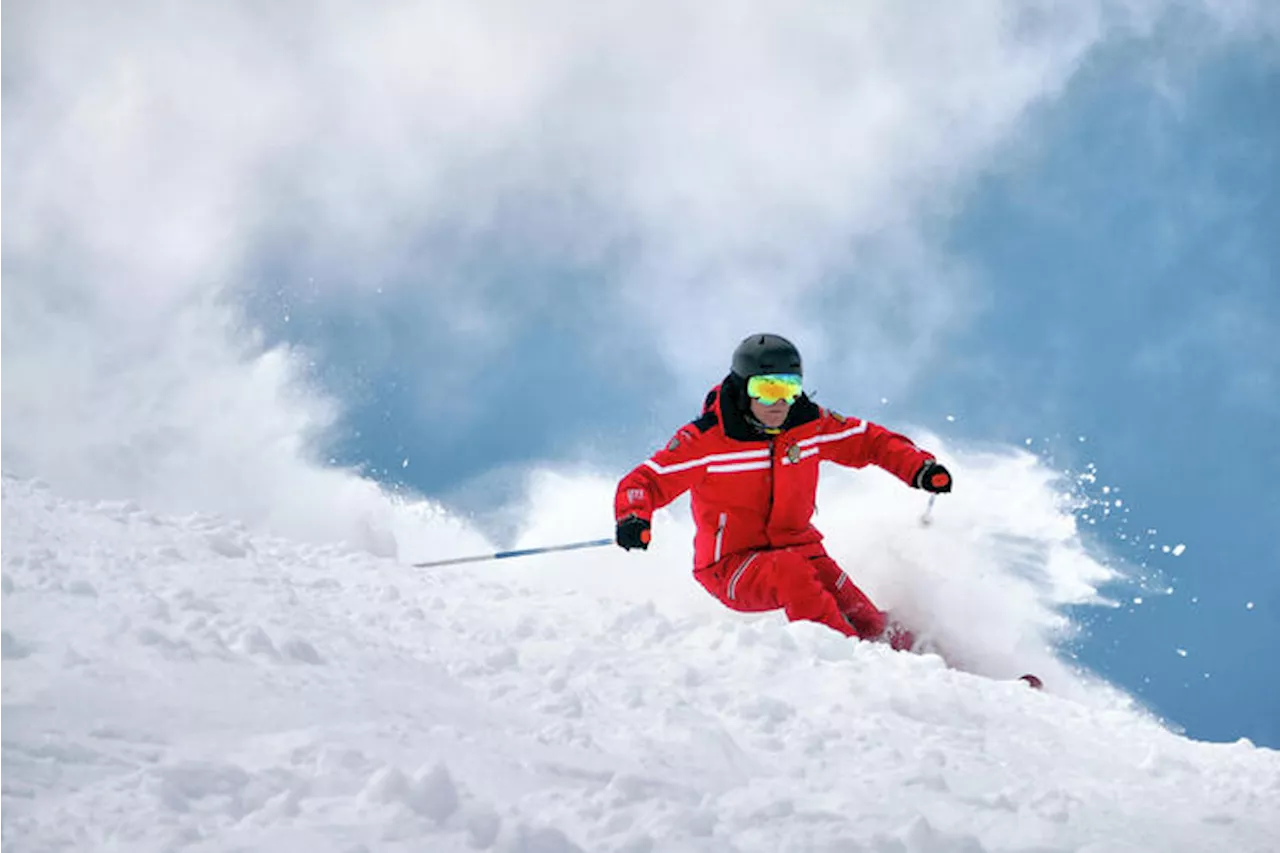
(523, 552)
(927, 518)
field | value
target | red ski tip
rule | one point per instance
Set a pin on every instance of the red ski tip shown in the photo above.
(1032, 680)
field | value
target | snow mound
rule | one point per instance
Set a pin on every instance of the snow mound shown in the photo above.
(177, 683)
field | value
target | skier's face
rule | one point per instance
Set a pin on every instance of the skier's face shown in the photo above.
(771, 416)
(772, 395)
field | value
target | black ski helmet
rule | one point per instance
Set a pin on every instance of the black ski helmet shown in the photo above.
(760, 354)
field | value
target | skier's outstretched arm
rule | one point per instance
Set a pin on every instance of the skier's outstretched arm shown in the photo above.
(658, 481)
(856, 443)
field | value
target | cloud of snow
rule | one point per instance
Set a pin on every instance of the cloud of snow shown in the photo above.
(701, 163)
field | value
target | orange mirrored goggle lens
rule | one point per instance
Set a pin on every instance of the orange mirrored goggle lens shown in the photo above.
(773, 387)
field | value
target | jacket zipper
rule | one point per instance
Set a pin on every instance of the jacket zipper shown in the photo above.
(724, 519)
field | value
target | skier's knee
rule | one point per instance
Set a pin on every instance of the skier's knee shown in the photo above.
(815, 604)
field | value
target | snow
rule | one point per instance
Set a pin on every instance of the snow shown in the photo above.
(185, 683)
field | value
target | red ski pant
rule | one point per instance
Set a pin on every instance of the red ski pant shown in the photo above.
(802, 581)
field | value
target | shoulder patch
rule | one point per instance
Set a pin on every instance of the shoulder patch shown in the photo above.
(683, 435)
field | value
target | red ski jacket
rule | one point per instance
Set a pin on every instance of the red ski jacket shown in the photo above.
(754, 491)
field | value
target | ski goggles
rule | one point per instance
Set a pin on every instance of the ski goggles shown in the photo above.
(772, 387)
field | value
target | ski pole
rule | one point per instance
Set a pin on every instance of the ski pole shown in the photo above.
(927, 518)
(523, 552)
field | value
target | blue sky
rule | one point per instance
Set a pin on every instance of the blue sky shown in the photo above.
(480, 243)
(1139, 308)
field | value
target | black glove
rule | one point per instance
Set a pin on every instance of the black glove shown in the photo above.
(932, 477)
(633, 532)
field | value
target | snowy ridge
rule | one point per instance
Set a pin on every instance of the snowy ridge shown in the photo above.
(184, 684)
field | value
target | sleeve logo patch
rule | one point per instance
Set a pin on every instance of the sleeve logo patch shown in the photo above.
(681, 436)
(635, 496)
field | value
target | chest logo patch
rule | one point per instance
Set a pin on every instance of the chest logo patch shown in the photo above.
(793, 454)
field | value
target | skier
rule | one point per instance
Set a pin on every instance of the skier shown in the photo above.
(751, 461)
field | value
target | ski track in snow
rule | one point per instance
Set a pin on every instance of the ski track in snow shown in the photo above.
(182, 684)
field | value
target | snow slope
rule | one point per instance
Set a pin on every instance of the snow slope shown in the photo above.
(179, 683)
